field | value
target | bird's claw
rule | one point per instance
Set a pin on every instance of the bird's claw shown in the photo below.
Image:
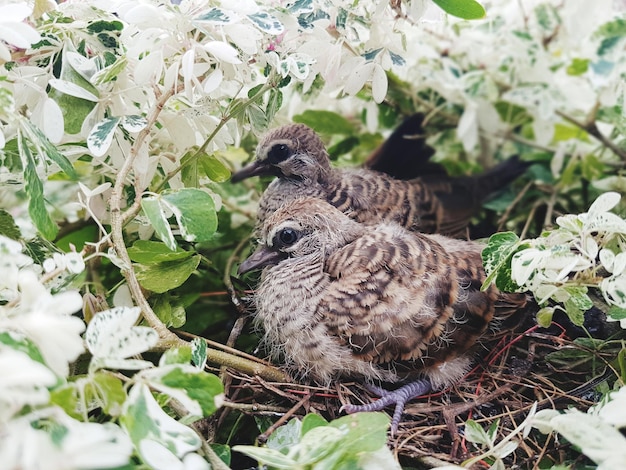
(399, 397)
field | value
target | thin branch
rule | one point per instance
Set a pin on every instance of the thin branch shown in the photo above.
(118, 219)
(592, 129)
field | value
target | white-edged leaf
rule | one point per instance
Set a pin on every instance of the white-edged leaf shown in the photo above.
(199, 392)
(475, 433)
(379, 84)
(112, 334)
(72, 89)
(34, 191)
(619, 263)
(143, 418)
(213, 81)
(157, 456)
(222, 51)
(47, 149)
(152, 208)
(217, 16)
(604, 203)
(357, 78)
(194, 211)
(51, 122)
(607, 258)
(267, 23)
(508, 448)
(149, 69)
(199, 352)
(269, 457)
(85, 67)
(101, 136)
(467, 129)
(134, 123)
(19, 34)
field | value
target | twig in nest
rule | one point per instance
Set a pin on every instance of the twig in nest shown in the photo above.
(263, 437)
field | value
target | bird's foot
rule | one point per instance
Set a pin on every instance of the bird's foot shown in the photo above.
(399, 397)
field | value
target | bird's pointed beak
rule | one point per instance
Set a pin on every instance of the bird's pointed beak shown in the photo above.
(256, 168)
(262, 257)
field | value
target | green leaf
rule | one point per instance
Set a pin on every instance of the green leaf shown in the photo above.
(199, 352)
(215, 16)
(344, 146)
(109, 392)
(102, 26)
(66, 397)
(269, 457)
(143, 418)
(8, 228)
(110, 73)
(574, 312)
(179, 355)
(286, 437)
(134, 123)
(151, 252)
(169, 312)
(621, 363)
(578, 66)
(199, 386)
(319, 442)
(163, 277)
(497, 257)
(492, 432)
(544, 317)
(34, 189)
(466, 9)
(512, 113)
(311, 421)
(214, 168)
(20, 343)
(47, 149)
(563, 132)
(579, 297)
(267, 23)
(616, 313)
(222, 451)
(475, 433)
(366, 432)
(325, 122)
(274, 103)
(257, 117)
(101, 136)
(152, 209)
(194, 211)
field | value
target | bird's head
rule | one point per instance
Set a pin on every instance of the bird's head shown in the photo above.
(305, 228)
(293, 151)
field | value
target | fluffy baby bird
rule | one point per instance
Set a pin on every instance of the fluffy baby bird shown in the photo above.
(433, 203)
(341, 299)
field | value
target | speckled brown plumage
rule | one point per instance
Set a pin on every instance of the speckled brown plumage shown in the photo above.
(433, 203)
(339, 298)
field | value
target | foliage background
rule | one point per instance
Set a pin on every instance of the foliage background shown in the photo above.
(121, 122)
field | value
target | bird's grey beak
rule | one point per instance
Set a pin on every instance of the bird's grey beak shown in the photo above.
(255, 168)
(262, 257)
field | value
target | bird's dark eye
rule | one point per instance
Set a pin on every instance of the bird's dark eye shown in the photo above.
(278, 153)
(286, 237)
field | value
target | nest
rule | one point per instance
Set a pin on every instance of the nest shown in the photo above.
(549, 368)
